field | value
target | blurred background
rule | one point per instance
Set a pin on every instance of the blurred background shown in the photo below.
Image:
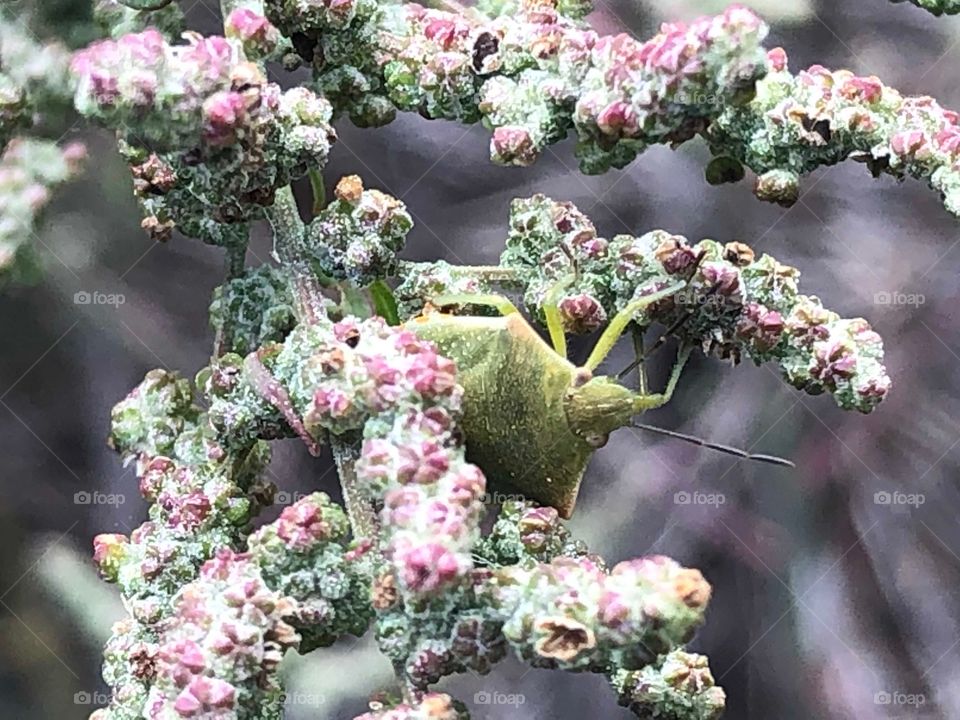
(834, 597)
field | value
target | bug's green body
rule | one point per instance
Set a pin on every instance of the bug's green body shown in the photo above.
(532, 418)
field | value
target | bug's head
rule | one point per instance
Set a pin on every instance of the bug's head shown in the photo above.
(596, 406)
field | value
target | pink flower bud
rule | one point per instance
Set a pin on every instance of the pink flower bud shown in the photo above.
(777, 59)
(512, 145)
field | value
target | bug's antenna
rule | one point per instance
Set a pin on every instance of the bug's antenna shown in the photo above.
(757, 457)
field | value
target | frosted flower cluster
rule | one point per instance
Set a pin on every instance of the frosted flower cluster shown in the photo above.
(797, 123)
(208, 138)
(572, 614)
(678, 685)
(358, 235)
(530, 76)
(306, 555)
(202, 498)
(217, 654)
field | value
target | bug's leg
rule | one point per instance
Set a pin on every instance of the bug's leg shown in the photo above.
(649, 402)
(620, 321)
(551, 311)
(501, 303)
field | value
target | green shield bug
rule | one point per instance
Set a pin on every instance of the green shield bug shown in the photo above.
(531, 417)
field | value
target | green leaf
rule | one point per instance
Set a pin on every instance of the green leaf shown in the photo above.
(384, 303)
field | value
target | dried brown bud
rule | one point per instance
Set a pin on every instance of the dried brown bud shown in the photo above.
(738, 253)
(159, 231)
(675, 254)
(563, 638)
(692, 588)
(384, 591)
(349, 189)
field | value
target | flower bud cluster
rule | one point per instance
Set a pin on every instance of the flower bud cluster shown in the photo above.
(565, 612)
(526, 531)
(797, 123)
(358, 235)
(679, 686)
(304, 555)
(116, 19)
(222, 138)
(217, 654)
(200, 496)
(453, 633)
(29, 171)
(153, 417)
(202, 499)
(253, 309)
(33, 79)
(530, 76)
(572, 614)
(341, 40)
(734, 303)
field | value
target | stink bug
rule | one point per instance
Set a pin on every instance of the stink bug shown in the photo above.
(531, 417)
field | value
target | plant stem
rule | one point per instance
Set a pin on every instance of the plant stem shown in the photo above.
(235, 258)
(363, 518)
(290, 250)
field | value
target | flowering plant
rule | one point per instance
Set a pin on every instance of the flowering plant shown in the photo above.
(326, 344)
